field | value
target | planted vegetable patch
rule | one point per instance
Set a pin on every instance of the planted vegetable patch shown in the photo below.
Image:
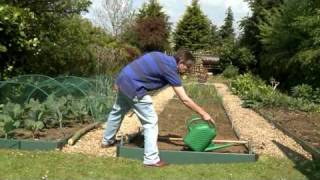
(42, 108)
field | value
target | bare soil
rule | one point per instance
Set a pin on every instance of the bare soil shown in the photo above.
(172, 123)
(49, 134)
(302, 124)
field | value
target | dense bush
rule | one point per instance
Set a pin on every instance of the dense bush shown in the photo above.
(231, 72)
(231, 54)
(256, 93)
(16, 38)
(110, 59)
(52, 38)
(305, 91)
(284, 37)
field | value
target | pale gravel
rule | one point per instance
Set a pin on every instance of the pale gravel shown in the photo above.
(253, 127)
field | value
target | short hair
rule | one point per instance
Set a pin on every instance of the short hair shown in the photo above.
(184, 55)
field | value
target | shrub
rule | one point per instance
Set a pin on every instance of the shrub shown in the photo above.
(302, 91)
(231, 72)
(305, 91)
(255, 93)
(230, 53)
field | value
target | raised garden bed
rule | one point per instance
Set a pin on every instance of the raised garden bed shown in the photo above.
(172, 123)
(304, 127)
(46, 139)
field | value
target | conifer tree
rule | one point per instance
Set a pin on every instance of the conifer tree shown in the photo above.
(226, 30)
(194, 29)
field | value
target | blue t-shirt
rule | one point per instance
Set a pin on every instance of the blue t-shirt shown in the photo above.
(151, 71)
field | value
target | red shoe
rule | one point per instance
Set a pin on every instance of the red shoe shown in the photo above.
(158, 164)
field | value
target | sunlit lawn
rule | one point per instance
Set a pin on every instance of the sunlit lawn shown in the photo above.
(57, 165)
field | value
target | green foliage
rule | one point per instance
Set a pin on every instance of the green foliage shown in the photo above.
(280, 40)
(284, 37)
(56, 108)
(305, 91)
(78, 110)
(306, 59)
(226, 30)
(33, 126)
(246, 60)
(99, 106)
(194, 30)
(215, 39)
(16, 37)
(151, 9)
(71, 100)
(34, 120)
(13, 110)
(73, 42)
(15, 30)
(231, 72)
(112, 58)
(7, 124)
(203, 93)
(58, 8)
(255, 93)
(302, 91)
(250, 36)
(10, 118)
(48, 37)
(231, 54)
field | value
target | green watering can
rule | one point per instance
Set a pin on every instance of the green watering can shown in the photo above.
(200, 135)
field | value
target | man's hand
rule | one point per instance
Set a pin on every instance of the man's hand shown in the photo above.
(115, 88)
(207, 117)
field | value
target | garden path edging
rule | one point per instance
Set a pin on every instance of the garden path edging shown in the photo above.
(264, 137)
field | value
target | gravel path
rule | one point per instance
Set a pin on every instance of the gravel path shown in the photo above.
(265, 138)
(90, 143)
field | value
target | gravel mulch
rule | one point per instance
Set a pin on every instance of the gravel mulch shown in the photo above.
(265, 138)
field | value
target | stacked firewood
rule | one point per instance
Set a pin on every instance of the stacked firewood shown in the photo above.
(200, 72)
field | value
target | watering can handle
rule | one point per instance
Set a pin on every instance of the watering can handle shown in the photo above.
(199, 119)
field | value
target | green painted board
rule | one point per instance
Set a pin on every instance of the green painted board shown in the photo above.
(187, 157)
(32, 144)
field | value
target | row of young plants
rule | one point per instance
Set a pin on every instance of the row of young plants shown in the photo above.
(255, 93)
(54, 112)
(201, 92)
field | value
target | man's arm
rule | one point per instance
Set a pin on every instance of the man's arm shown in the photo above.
(180, 92)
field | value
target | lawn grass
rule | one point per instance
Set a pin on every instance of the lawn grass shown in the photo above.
(57, 165)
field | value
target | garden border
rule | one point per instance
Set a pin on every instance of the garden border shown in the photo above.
(190, 157)
(306, 146)
(23, 144)
(186, 157)
(45, 145)
(248, 146)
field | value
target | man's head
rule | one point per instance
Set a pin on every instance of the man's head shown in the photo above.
(185, 60)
